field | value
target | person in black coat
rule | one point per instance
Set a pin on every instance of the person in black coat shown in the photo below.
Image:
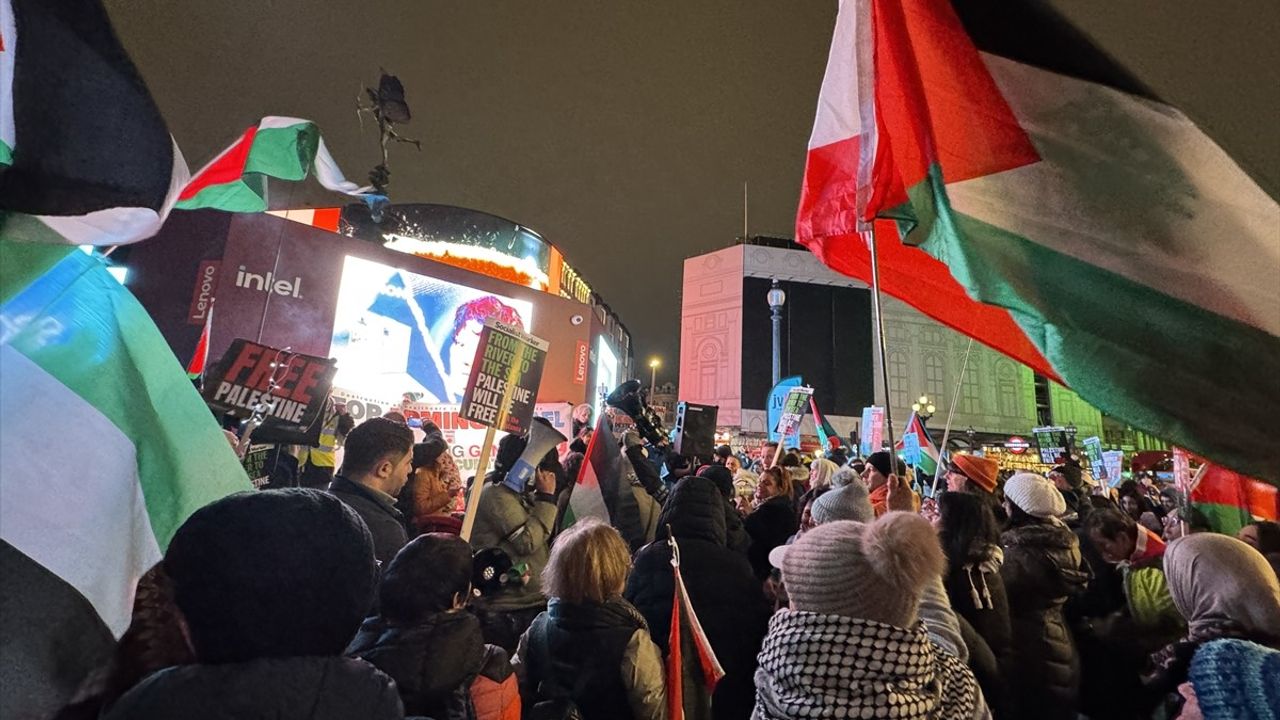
(736, 535)
(272, 586)
(971, 539)
(773, 520)
(375, 467)
(424, 638)
(721, 585)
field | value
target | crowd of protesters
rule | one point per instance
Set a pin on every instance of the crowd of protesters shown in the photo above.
(827, 588)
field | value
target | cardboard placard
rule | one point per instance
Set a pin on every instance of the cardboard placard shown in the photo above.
(793, 409)
(501, 347)
(1052, 443)
(871, 431)
(1113, 460)
(290, 390)
(911, 449)
(1093, 450)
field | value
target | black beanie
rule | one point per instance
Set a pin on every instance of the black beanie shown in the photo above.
(510, 447)
(719, 475)
(426, 453)
(880, 461)
(274, 573)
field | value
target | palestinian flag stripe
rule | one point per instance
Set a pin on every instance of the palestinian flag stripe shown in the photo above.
(277, 147)
(82, 355)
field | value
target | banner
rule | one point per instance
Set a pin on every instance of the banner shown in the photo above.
(494, 363)
(1053, 443)
(774, 402)
(289, 389)
(793, 409)
(871, 431)
(1093, 450)
(1113, 461)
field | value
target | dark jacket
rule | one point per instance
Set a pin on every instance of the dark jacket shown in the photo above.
(1042, 569)
(521, 526)
(586, 653)
(721, 586)
(433, 663)
(769, 526)
(385, 522)
(977, 594)
(305, 688)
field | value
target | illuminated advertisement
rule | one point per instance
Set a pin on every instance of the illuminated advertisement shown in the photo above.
(606, 373)
(397, 333)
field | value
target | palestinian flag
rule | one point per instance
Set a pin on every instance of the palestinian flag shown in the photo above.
(1026, 192)
(928, 451)
(827, 434)
(692, 667)
(1230, 500)
(601, 489)
(107, 448)
(200, 358)
(277, 147)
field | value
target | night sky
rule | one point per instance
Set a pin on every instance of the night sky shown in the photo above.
(622, 131)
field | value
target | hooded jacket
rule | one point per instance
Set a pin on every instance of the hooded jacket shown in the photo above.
(508, 520)
(1042, 569)
(433, 663)
(814, 665)
(598, 655)
(296, 688)
(721, 586)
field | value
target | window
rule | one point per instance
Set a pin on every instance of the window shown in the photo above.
(899, 376)
(1007, 390)
(935, 371)
(970, 394)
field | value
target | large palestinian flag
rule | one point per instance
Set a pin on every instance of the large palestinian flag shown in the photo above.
(1026, 192)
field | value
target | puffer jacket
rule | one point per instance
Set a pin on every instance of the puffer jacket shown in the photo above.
(301, 688)
(508, 520)
(1042, 569)
(977, 594)
(433, 663)
(598, 655)
(495, 693)
(769, 526)
(814, 665)
(722, 589)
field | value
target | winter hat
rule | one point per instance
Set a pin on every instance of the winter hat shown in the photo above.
(724, 452)
(274, 573)
(880, 461)
(982, 471)
(510, 447)
(719, 475)
(426, 453)
(1073, 473)
(846, 476)
(873, 571)
(1035, 495)
(849, 502)
(1236, 679)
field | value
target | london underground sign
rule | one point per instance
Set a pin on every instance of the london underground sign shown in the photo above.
(1017, 445)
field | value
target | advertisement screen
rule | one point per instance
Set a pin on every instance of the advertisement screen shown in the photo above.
(397, 333)
(606, 373)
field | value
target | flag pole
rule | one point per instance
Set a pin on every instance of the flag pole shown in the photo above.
(951, 413)
(869, 236)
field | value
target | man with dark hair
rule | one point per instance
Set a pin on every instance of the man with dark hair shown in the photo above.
(375, 467)
(1140, 555)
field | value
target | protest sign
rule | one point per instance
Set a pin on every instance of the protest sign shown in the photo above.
(871, 431)
(286, 390)
(911, 449)
(505, 375)
(1113, 460)
(1093, 450)
(1053, 443)
(774, 403)
(793, 409)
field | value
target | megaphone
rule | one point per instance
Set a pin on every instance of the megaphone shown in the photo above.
(543, 438)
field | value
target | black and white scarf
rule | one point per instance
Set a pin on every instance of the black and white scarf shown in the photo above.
(830, 666)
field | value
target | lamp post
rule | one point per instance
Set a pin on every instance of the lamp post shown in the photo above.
(654, 364)
(776, 298)
(923, 408)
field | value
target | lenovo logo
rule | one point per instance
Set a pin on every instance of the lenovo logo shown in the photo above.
(202, 293)
(269, 284)
(581, 362)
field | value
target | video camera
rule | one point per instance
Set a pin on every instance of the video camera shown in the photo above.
(626, 397)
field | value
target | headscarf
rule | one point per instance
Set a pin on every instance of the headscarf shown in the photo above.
(1218, 581)
(821, 472)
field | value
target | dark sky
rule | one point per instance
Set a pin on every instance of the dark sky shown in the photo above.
(621, 130)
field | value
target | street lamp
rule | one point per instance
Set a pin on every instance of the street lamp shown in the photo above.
(776, 298)
(923, 408)
(654, 364)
